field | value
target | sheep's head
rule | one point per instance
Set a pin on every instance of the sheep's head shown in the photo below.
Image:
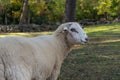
(74, 33)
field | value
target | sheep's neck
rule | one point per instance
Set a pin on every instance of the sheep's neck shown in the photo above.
(65, 47)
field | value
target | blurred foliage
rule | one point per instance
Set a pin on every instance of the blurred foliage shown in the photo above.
(44, 11)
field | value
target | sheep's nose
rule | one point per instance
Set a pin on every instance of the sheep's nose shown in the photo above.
(86, 40)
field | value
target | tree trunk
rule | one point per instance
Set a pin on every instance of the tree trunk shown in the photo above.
(28, 21)
(106, 16)
(119, 14)
(6, 21)
(70, 10)
(24, 15)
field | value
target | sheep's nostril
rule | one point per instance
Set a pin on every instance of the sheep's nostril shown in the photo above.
(86, 39)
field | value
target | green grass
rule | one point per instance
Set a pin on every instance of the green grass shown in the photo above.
(97, 60)
(104, 30)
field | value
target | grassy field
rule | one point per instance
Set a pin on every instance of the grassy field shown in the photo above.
(97, 60)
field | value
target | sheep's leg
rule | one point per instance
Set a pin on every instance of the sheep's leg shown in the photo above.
(39, 78)
(55, 72)
(17, 73)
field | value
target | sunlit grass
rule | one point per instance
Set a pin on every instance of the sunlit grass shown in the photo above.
(31, 34)
(108, 41)
(95, 28)
(104, 30)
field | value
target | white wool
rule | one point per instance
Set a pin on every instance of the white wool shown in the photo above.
(37, 58)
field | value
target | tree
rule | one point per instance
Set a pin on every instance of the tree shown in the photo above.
(118, 9)
(4, 6)
(70, 10)
(55, 10)
(104, 8)
(85, 9)
(24, 16)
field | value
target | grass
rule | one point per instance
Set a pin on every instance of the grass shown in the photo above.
(104, 30)
(97, 60)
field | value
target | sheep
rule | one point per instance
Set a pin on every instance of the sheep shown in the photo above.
(41, 57)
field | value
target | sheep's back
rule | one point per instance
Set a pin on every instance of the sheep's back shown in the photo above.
(16, 50)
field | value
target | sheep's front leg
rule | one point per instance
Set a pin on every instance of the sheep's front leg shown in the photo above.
(55, 72)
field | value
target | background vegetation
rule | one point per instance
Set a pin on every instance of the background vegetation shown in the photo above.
(44, 11)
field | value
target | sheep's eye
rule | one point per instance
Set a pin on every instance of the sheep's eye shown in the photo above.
(74, 30)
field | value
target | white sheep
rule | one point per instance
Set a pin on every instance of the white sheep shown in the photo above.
(38, 58)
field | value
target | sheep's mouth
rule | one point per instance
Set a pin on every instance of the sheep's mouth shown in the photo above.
(84, 42)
